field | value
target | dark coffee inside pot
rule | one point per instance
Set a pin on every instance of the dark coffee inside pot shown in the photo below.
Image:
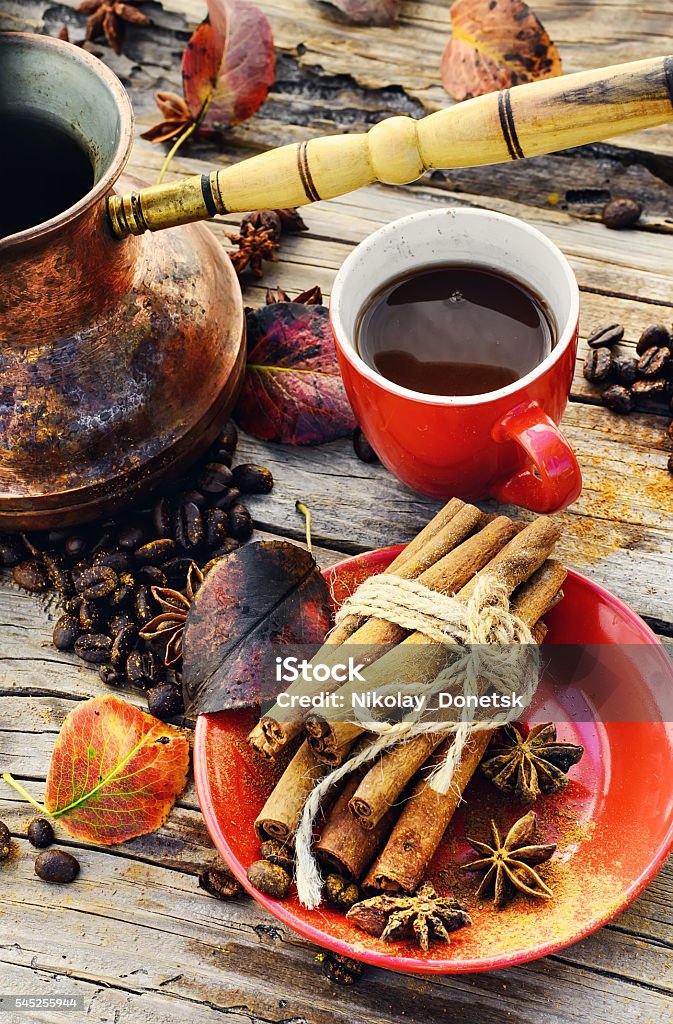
(454, 329)
(44, 169)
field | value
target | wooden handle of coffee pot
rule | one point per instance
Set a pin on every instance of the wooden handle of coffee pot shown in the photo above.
(528, 120)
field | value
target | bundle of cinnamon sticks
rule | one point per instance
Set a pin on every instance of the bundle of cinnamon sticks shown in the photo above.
(384, 823)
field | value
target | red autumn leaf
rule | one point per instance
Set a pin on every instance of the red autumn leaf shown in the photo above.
(228, 64)
(292, 390)
(368, 12)
(266, 593)
(495, 44)
(115, 772)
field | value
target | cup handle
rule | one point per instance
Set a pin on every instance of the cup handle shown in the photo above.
(554, 479)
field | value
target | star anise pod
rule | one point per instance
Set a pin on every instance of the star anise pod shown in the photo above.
(177, 117)
(423, 915)
(254, 246)
(508, 864)
(109, 18)
(168, 627)
(529, 765)
(310, 297)
(258, 237)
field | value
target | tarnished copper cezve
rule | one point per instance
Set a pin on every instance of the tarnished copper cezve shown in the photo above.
(119, 360)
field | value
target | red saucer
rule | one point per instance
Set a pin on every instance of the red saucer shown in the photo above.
(613, 823)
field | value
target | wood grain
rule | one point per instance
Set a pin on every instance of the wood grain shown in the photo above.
(135, 936)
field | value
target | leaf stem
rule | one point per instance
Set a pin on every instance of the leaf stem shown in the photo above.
(19, 788)
(189, 130)
(306, 512)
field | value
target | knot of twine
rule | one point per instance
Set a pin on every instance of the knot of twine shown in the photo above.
(485, 619)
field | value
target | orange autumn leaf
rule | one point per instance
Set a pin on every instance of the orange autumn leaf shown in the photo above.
(115, 772)
(495, 44)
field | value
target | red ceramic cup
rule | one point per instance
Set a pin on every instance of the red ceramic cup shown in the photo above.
(505, 444)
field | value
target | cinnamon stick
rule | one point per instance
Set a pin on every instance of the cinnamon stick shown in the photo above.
(383, 784)
(344, 846)
(449, 528)
(513, 564)
(280, 815)
(426, 815)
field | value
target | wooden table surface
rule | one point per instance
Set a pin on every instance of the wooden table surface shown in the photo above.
(135, 935)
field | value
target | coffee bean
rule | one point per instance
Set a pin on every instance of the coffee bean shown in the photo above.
(66, 631)
(196, 497)
(56, 866)
(5, 841)
(143, 606)
(118, 561)
(124, 642)
(626, 370)
(164, 701)
(142, 669)
(132, 536)
(30, 576)
(31, 546)
(618, 399)
(56, 538)
(93, 648)
(76, 545)
(228, 439)
(152, 575)
(270, 878)
(188, 525)
(118, 622)
(97, 583)
(598, 365)
(162, 517)
(669, 431)
(156, 551)
(124, 593)
(608, 335)
(226, 500)
(59, 576)
(653, 362)
(654, 336)
(11, 552)
(240, 523)
(72, 605)
(105, 540)
(215, 527)
(220, 884)
(90, 617)
(362, 447)
(649, 388)
(221, 455)
(278, 853)
(111, 677)
(226, 548)
(214, 478)
(252, 479)
(621, 213)
(40, 833)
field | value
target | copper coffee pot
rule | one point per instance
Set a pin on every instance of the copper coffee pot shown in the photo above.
(121, 352)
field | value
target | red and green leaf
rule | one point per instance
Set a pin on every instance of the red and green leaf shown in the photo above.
(115, 772)
(228, 64)
(227, 70)
(292, 390)
(495, 44)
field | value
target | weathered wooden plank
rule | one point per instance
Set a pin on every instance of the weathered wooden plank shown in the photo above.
(202, 949)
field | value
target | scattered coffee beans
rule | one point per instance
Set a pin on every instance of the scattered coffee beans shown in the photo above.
(104, 574)
(40, 833)
(56, 866)
(621, 213)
